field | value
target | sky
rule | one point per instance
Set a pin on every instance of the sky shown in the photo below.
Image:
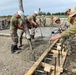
(9, 7)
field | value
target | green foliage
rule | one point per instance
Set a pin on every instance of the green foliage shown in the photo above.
(41, 13)
(59, 13)
(48, 13)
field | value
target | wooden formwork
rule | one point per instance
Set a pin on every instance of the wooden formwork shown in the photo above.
(48, 67)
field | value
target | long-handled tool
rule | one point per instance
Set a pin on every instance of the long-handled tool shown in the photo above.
(30, 43)
(40, 31)
(28, 33)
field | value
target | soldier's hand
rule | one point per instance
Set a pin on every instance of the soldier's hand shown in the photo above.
(24, 30)
(53, 38)
(36, 25)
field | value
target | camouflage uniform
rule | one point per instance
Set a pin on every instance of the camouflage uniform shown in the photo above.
(30, 25)
(64, 25)
(70, 31)
(21, 32)
(43, 20)
(32, 33)
(13, 23)
(70, 20)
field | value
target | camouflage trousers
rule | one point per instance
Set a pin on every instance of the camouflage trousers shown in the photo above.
(32, 31)
(27, 34)
(14, 37)
(21, 32)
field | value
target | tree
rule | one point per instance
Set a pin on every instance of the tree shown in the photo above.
(48, 13)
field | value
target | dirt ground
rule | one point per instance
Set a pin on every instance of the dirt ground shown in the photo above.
(70, 63)
(19, 62)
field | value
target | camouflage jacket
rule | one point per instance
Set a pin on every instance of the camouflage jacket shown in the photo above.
(70, 31)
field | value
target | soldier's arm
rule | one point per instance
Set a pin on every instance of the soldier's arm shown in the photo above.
(55, 37)
(69, 32)
(20, 26)
(34, 23)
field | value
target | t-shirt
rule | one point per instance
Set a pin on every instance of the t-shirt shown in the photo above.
(20, 22)
(13, 23)
(29, 21)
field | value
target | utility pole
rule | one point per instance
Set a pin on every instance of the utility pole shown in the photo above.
(21, 5)
(23, 18)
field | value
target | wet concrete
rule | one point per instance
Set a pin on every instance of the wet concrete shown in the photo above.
(40, 31)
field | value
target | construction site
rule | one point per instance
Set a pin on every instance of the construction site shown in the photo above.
(44, 59)
(45, 46)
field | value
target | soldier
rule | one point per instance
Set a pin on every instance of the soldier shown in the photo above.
(15, 23)
(61, 25)
(70, 31)
(31, 24)
(7, 21)
(21, 32)
(43, 20)
(68, 12)
(0, 24)
(51, 20)
(3, 24)
(56, 20)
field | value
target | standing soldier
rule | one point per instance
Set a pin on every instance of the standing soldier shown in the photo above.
(15, 23)
(0, 25)
(43, 20)
(68, 12)
(31, 24)
(21, 32)
(51, 20)
(3, 24)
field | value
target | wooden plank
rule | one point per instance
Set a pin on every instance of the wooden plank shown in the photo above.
(48, 67)
(61, 64)
(59, 44)
(56, 52)
(36, 64)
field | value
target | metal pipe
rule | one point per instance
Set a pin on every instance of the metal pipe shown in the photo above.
(55, 66)
(59, 57)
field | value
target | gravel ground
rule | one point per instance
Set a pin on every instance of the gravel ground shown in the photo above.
(18, 64)
(70, 63)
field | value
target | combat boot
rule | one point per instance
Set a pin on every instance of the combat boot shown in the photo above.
(20, 45)
(32, 36)
(30, 43)
(12, 48)
(16, 48)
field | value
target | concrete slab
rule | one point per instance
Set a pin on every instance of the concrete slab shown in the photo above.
(46, 31)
